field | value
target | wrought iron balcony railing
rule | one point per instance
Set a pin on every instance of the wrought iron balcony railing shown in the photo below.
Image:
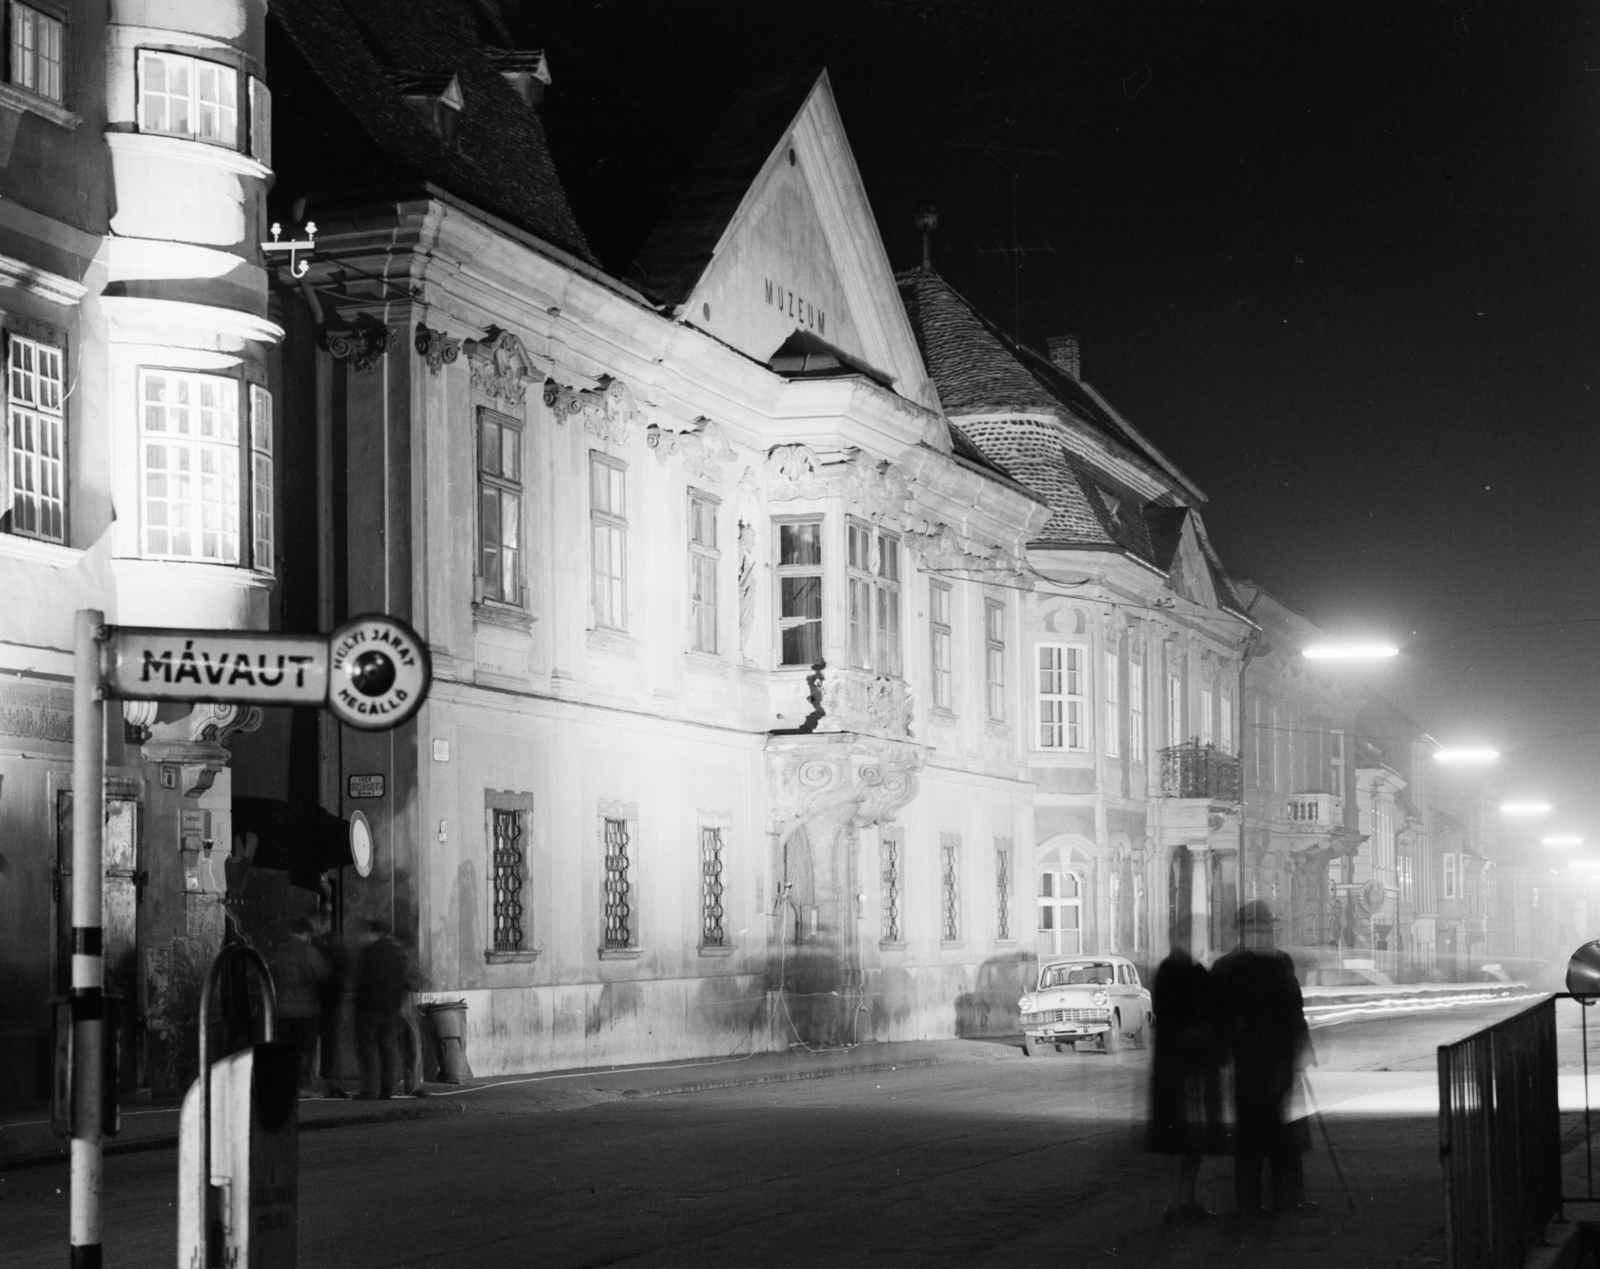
(1194, 770)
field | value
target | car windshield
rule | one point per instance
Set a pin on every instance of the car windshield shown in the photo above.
(1070, 975)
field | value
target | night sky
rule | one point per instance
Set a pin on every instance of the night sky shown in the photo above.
(1337, 259)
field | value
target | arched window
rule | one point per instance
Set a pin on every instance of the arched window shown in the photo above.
(1060, 911)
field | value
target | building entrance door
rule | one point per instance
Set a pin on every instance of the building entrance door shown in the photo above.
(121, 883)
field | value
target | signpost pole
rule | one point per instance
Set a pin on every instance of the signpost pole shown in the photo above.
(88, 969)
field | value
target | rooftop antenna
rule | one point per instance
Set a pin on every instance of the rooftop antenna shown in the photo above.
(1014, 161)
(927, 222)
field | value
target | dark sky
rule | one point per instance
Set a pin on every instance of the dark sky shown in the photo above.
(1337, 259)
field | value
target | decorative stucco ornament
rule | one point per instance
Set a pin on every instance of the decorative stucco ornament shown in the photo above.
(703, 448)
(873, 488)
(856, 780)
(501, 366)
(607, 410)
(858, 700)
(436, 348)
(362, 344)
(941, 549)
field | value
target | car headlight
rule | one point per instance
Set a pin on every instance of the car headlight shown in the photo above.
(1100, 997)
(1025, 1004)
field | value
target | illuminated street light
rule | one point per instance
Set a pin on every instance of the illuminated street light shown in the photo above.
(1349, 651)
(1584, 863)
(1465, 755)
(1561, 841)
(1525, 808)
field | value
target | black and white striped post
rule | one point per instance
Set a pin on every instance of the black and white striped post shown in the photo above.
(88, 966)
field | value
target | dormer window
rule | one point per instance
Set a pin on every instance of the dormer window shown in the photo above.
(436, 97)
(526, 70)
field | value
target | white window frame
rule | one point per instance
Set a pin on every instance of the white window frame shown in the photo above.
(1175, 734)
(36, 439)
(872, 568)
(1136, 732)
(1225, 719)
(36, 52)
(608, 541)
(1208, 733)
(1061, 697)
(499, 565)
(262, 536)
(220, 446)
(1113, 721)
(705, 562)
(810, 569)
(994, 659)
(211, 118)
(941, 637)
(1050, 898)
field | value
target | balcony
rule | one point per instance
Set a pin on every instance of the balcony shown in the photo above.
(1200, 771)
(1314, 812)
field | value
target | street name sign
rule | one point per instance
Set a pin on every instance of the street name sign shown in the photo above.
(365, 786)
(372, 673)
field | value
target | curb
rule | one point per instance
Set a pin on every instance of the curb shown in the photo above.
(789, 1077)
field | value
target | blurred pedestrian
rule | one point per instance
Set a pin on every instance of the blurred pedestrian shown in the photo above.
(298, 971)
(383, 976)
(330, 1011)
(1259, 1003)
(1185, 1081)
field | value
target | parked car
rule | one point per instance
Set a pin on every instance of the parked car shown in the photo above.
(1086, 998)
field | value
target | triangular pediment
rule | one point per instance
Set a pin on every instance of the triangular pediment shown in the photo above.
(1189, 573)
(801, 252)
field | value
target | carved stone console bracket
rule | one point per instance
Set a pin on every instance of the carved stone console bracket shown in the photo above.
(436, 348)
(607, 410)
(940, 549)
(501, 366)
(862, 779)
(703, 448)
(858, 700)
(876, 489)
(362, 343)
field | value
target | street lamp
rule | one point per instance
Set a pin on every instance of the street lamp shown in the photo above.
(1465, 756)
(1561, 841)
(1349, 651)
(1525, 808)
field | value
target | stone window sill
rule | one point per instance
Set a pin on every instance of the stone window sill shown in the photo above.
(489, 613)
(939, 714)
(1005, 942)
(511, 958)
(621, 953)
(952, 945)
(20, 99)
(885, 945)
(613, 641)
(39, 552)
(997, 728)
(724, 949)
(706, 663)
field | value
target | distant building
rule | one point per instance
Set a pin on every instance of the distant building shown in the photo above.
(136, 478)
(1131, 644)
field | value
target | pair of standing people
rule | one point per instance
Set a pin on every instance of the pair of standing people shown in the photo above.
(1247, 1009)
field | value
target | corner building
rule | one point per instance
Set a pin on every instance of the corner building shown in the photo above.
(673, 542)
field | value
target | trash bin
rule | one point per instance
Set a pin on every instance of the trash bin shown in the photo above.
(447, 1019)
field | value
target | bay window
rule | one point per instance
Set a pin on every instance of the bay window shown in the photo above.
(186, 97)
(799, 574)
(873, 565)
(189, 466)
(261, 477)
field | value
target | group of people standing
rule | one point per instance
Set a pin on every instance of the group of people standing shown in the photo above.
(313, 971)
(1245, 1012)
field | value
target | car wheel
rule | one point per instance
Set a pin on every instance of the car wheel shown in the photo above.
(1113, 1037)
(1027, 1047)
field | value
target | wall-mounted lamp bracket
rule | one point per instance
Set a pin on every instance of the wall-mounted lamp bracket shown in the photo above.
(298, 267)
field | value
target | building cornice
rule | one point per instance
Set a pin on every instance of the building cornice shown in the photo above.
(23, 276)
(136, 315)
(150, 145)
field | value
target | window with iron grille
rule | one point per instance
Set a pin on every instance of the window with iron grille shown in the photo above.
(36, 440)
(499, 506)
(890, 846)
(618, 888)
(1002, 888)
(949, 887)
(510, 872)
(704, 558)
(712, 933)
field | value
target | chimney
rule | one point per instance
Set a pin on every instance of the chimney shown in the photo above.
(1065, 356)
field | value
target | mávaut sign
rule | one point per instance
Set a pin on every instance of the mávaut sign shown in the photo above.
(372, 672)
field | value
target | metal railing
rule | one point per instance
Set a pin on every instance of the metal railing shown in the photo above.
(1194, 770)
(1500, 1139)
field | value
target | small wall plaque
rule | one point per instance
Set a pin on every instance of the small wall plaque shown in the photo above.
(366, 786)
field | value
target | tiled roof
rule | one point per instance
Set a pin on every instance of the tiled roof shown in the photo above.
(343, 127)
(978, 369)
(680, 247)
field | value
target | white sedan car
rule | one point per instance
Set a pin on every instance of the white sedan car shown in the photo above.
(1086, 998)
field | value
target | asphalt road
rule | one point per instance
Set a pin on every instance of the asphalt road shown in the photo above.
(1007, 1161)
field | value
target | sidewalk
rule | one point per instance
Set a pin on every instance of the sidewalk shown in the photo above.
(26, 1138)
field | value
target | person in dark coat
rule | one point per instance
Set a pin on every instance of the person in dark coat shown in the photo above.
(330, 1005)
(383, 976)
(298, 971)
(1259, 1004)
(1185, 1080)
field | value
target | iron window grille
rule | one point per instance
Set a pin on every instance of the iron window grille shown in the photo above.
(618, 911)
(38, 477)
(36, 57)
(499, 506)
(1002, 886)
(704, 560)
(939, 628)
(508, 881)
(608, 516)
(949, 889)
(890, 875)
(800, 592)
(712, 933)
